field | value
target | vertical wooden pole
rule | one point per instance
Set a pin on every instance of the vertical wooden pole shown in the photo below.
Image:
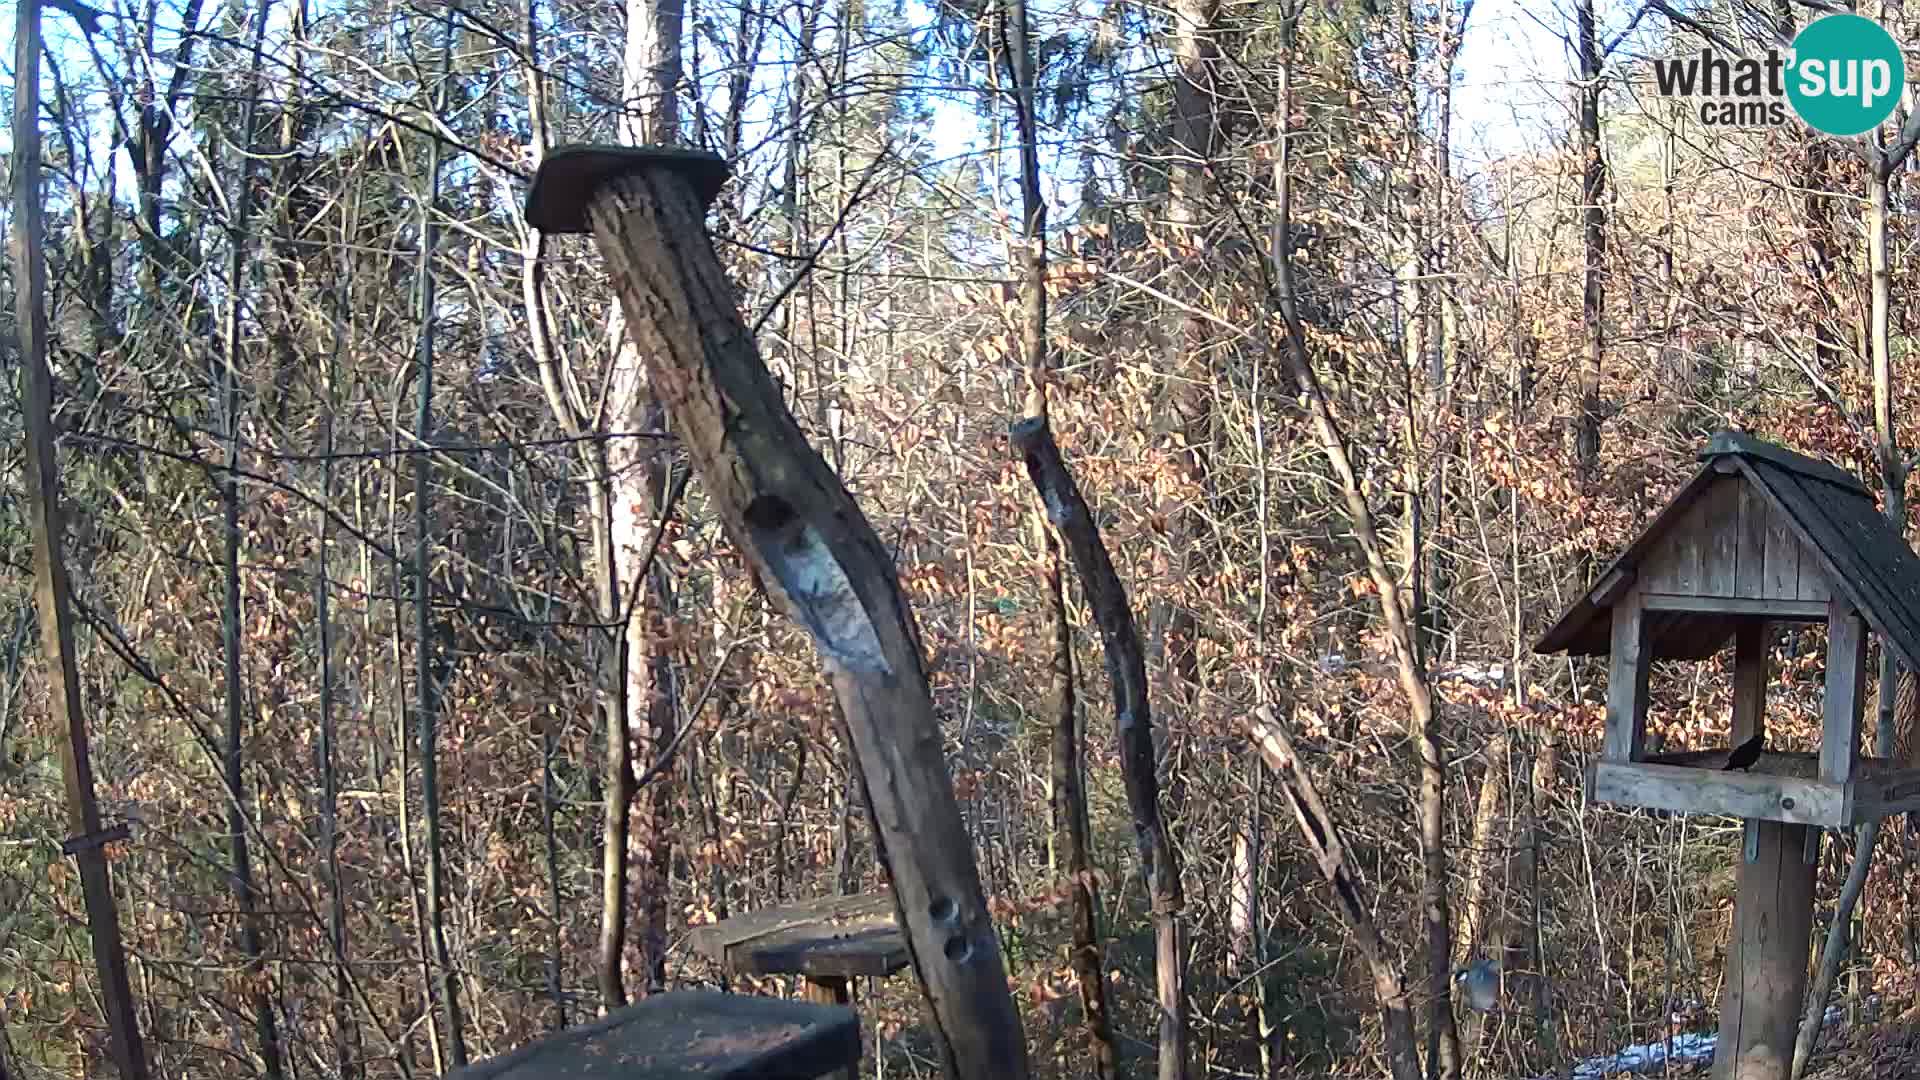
(1846, 684)
(52, 591)
(1772, 916)
(1767, 958)
(1627, 680)
(831, 990)
(1751, 639)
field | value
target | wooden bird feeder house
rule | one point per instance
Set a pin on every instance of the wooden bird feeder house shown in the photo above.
(1759, 536)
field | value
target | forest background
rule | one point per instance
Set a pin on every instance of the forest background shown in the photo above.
(439, 707)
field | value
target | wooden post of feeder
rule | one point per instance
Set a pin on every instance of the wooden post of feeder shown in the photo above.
(1766, 978)
(813, 551)
(1627, 670)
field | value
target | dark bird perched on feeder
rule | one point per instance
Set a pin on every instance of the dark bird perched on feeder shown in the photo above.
(1480, 984)
(1746, 754)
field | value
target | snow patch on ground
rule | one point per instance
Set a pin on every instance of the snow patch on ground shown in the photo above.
(1691, 1047)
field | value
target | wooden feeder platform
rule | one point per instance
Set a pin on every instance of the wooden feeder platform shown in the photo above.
(1783, 787)
(690, 1035)
(1760, 536)
(825, 941)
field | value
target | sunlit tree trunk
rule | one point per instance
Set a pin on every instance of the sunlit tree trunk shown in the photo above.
(1593, 223)
(429, 667)
(227, 379)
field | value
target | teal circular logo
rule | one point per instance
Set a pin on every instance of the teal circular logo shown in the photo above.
(1847, 74)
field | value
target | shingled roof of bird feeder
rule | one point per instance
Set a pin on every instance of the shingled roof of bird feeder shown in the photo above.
(1827, 511)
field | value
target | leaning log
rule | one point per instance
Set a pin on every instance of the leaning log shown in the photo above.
(814, 552)
(1132, 722)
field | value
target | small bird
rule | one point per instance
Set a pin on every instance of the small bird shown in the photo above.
(1479, 982)
(1746, 754)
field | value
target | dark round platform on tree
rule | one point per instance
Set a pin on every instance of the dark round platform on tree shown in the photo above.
(690, 1035)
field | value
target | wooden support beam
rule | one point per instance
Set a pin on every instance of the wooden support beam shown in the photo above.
(1846, 684)
(1627, 668)
(1802, 610)
(1767, 959)
(1750, 641)
(1609, 588)
(831, 990)
(812, 550)
(1684, 790)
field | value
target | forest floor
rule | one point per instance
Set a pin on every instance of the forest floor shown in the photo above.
(1886, 1052)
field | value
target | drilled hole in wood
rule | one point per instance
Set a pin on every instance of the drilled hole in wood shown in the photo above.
(959, 949)
(942, 909)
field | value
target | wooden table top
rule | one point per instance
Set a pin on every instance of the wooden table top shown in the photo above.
(689, 1035)
(833, 937)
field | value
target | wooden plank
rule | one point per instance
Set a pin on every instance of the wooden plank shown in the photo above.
(712, 939)
(1718, 539)
(1611, 586)
(1813, 586)
(1766, 975)
(1674, 567)
(690, 1033)
(1791, 610)
(1627, 669)
(1878, 796)
(1751, 547)
(1684, 546)
(833, 937)
(876, 951)
(1581, 629)
(1845, 692)
(1737, 794)
(1750, 643)
(1781, 571)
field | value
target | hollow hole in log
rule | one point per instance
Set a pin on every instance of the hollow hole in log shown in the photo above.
(942, 909)
(821, 591)
(959, 949)
(768, 513)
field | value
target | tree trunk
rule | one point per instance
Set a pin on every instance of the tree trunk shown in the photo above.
(1594, 246)
(1317, 828)
(636, 848)
(345, 1033)
(1133, 720)
(1443, 1037)
(53, 593)
(1072, 832)
(429, 669)
(1071, 826)
(227, 378)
